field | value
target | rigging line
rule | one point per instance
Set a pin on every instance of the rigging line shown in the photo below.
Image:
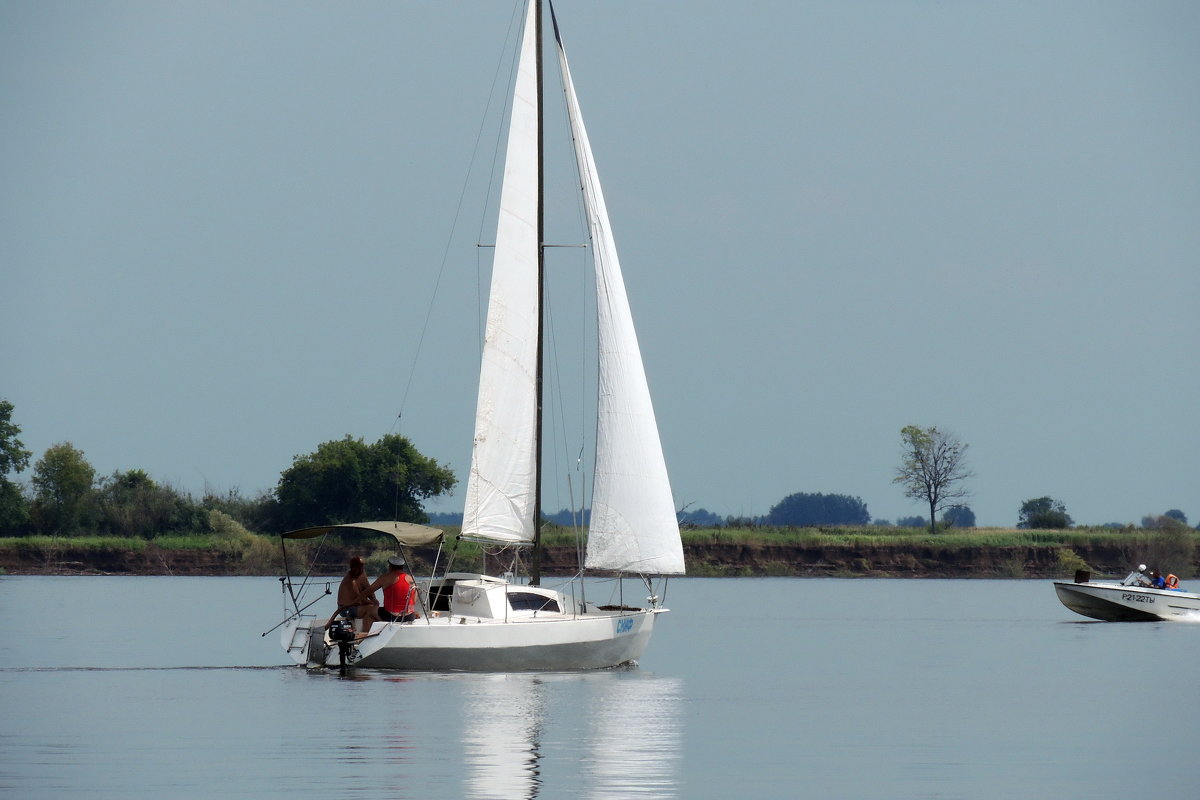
(589, 313)
(513, 64)
(560, 429)
(578, 527)
(454, 223)
(584, 520)
(556, 415)
(581, 211)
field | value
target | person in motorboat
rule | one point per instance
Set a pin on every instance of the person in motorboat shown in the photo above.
(1169, 582)
(1137, 578)
(355, 598)
(399, 592)
(1154, 580)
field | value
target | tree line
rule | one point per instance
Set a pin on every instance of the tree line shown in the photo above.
(345, 480)
(349, 480)
(933, 470)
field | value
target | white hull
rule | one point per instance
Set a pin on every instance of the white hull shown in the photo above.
(1115, 602)
(484, 624)
(594, 640)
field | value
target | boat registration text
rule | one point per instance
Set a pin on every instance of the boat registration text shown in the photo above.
(1137, 598)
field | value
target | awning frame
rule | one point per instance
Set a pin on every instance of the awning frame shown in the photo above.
(406, 534)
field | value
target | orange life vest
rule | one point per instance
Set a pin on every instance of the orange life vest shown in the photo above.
(1172, 582)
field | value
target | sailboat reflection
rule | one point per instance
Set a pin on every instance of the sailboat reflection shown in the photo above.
(525, 731)
(637, 736)
(502, 733)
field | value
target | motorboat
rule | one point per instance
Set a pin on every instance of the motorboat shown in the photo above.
(1133, 599)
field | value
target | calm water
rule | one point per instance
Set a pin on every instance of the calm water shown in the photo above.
(776, 688)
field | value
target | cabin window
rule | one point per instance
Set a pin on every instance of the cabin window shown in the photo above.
(528, 601)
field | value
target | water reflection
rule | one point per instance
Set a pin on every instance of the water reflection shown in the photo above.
(502, 727)
(623, 727)
(637, 736)
(397, 743)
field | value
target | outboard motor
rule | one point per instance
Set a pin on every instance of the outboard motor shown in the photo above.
(341, 632)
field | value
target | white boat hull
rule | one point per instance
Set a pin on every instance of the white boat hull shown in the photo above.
(550, 642)
(1115, 602)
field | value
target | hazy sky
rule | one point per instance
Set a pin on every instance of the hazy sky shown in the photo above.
(222, 224)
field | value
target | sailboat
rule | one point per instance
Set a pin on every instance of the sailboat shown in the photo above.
(474, 621)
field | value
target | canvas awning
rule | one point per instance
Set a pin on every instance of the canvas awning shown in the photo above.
(408, 534)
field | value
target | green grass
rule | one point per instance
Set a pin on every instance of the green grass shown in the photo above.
(251, 551)
(880, 537)
(98, 544)
(233, 537)
(186, 541)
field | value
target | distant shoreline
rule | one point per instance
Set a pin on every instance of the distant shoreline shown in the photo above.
(807, 552)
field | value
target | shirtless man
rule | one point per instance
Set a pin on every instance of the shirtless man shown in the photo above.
(355, 598)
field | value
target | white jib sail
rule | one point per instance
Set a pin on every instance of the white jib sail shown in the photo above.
(500, 487)
(633, 526)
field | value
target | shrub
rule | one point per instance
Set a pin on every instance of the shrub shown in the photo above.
(1069, 562)
(959, 517)
(233, 538)
(1169, 549)
(1044, 513)
(819, 509)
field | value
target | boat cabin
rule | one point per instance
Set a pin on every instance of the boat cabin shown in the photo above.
(485, 597)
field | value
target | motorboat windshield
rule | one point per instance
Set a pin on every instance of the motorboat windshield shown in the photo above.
(1137, 577)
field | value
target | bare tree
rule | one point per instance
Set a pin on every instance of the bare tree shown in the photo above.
(933, 468)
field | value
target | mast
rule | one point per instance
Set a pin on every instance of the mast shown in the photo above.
(502, 484)
(535, 569)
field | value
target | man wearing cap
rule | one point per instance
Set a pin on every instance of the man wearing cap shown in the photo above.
(399, 593)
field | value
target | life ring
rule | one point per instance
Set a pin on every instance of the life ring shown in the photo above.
(1172, 582)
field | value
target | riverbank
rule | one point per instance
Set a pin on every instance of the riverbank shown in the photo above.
(835, 552)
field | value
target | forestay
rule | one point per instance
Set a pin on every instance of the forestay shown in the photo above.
(633, 524)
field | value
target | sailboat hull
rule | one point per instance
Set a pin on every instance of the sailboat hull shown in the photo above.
(593, 641)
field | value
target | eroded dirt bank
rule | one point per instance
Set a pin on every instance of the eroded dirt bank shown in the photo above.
(924, 561)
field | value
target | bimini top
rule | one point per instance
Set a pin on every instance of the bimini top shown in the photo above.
(408, 534)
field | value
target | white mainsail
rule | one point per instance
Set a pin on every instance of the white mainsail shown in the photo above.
(633, 526)
(501, 485)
